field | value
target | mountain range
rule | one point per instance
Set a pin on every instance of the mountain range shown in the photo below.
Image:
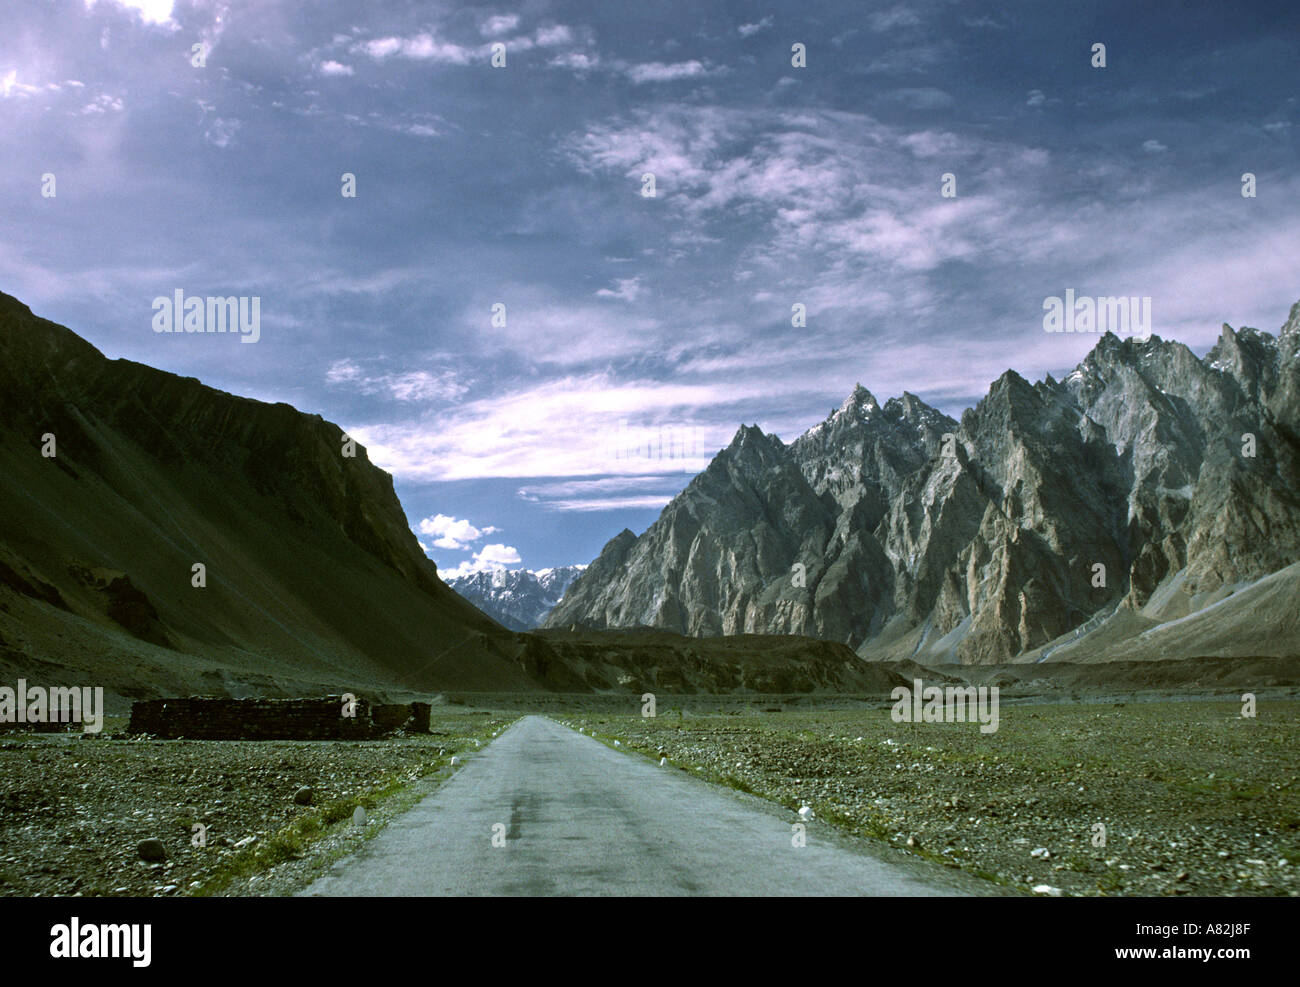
(1145, 506)
(516, 598)
(159, 537)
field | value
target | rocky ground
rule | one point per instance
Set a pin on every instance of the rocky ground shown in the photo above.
(1194, 799)
(75, 810)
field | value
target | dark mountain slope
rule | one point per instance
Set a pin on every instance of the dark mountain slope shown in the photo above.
(313, 576)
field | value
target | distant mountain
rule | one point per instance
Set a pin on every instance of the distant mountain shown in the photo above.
(908, 535)
(517, 598)
(314, 581)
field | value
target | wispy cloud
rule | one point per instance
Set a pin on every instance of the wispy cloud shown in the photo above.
(637, 327)
(422, 47)
(499, 24)
(408, 385)
(150, 11)
(668, 71)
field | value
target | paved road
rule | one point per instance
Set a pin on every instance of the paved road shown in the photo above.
(582, 819)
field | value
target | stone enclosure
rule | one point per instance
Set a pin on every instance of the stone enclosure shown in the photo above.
(325, 718)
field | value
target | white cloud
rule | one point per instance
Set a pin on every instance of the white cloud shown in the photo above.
(1153, 147)
(746, 30)
(221, 132)
(9, 84)
(492, 558)
(824, 182)
(497, 555)
(607, 493)
(410, 385)
(577, 61)
(330, 67)
(420, 385)
(549, 37)
(150, 11)
(627, 290)
(899, 16)
(569, 426)
(424, 47)
(104, 104)
(452, 533)
(649, 502)
(421, 130)
(666, 72)
(499, 24)
(342, 370)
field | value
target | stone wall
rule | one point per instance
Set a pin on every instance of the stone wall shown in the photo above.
(197, 718)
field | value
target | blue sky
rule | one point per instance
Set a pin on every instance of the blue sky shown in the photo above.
(639, 332)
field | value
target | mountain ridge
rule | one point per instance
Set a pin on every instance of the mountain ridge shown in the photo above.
(909, 535)
(345, 600)
(516, 598)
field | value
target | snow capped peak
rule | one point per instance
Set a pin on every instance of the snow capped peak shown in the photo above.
(517, 598)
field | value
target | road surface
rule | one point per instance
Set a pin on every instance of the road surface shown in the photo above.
(578, 818)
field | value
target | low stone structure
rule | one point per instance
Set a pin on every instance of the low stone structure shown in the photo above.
(326, 718)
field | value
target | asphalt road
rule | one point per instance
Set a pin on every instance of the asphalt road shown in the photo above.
(577, 818)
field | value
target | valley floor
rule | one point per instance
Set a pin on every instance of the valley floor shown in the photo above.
(1194, 798)
(74, 809)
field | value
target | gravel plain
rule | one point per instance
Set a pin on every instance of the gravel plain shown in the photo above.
(1194, 799)
(74, 809)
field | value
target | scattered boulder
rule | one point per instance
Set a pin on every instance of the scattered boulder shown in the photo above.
(151, 851)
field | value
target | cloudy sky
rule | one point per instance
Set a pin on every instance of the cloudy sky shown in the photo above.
(638, 331)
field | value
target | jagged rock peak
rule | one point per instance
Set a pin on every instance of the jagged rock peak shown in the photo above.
(861, 403)
(1292, 325)
(1131, 461)
(751, 437)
